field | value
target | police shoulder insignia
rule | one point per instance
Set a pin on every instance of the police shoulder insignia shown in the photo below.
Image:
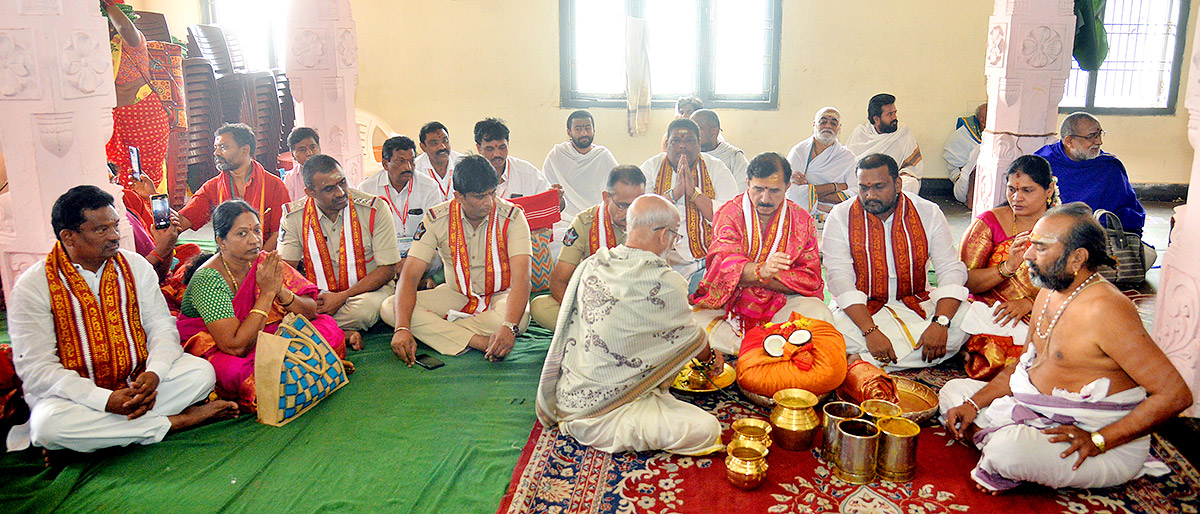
(420, 231)
(570, 237)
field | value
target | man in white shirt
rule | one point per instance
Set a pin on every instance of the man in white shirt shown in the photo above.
(698, 184)
(303, 142)
(713, 144)
(876, 250)
(823, 169)
(437, 160)
(579, 165)
(962, 153)
(407, 194)
(518, 177)
(94, 344)
(886, 135)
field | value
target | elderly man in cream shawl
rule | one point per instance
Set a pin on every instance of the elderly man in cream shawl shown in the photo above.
(624, 332)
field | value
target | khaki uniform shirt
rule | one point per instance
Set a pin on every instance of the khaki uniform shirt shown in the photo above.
(433, 235)
(378, 238)
(577, 243)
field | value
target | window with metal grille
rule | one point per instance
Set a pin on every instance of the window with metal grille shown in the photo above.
(724, 51)
(1145, 55)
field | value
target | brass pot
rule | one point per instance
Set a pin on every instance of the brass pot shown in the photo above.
(752, 429)
(897, 460)
(746, 463)
(834, 413)
(796, 423)
(858, 441)
(876, 410)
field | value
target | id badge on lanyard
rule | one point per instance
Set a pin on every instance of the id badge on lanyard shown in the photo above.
(405, 243)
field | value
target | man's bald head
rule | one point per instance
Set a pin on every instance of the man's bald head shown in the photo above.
(652, 223)
(981, 115)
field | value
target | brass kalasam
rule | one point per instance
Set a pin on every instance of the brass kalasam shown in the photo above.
(796, 423)
(692, 381)
(752, 429)
(897, 459)
(745, 464)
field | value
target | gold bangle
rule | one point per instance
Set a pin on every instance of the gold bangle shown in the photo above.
(260, 311)
(402, 328)
(290, 300)
(1003, 274)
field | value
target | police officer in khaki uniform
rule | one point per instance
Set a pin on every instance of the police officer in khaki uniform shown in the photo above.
(625, 183)
(355, 306)
(441, 317)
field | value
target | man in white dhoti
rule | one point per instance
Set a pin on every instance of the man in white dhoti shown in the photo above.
(823, 169)
(625, 332)
(437, 160)
(962, 153)
(877, 248)
(580, 166)
(883, 133)
(698, 184)
(713, 144)
(94, 344)
(1078, 408)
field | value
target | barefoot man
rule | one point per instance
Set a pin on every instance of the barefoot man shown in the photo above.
(1077, 410)
(94, 344)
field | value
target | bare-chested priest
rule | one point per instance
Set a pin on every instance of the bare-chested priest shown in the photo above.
(1078, 408)
(602, 225)
(631, 310)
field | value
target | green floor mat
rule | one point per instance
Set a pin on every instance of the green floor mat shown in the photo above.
(396, 439)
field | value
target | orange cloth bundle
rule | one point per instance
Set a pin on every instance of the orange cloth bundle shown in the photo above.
(817, 366)
(988, 355)
(865, 381)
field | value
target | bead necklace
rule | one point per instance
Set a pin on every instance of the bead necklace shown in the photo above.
(1054, 321)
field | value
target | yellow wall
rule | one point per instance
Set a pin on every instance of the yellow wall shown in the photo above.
(462, 60)
(179, 13)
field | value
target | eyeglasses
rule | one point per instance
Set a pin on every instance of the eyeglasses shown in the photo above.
(675, 235)
(1094, 136)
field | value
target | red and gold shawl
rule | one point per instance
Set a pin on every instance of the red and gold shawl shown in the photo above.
(351, 252)
(910, 251)
(100, 339)
(496, 262)
(603, 234)
(699, 230)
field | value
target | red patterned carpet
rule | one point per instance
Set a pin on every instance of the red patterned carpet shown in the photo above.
(558, 475)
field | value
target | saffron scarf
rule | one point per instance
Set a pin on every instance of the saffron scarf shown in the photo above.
(603, 234)
(496, 265)
(699, 231)
(756, 246)
(910, 251)
(351, 254)
(100, 339)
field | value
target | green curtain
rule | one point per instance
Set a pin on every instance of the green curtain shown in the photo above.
(1091, 40)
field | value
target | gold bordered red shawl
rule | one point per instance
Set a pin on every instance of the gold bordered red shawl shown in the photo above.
(316, 251)
(110, 347)
(603, 233)
(699, 230)
(496, 262)
(759, 248)
(910, 251)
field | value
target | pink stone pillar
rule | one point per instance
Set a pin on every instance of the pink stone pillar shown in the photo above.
(1027, 62)
(1177, 310)
(56, 100)
(322, 66)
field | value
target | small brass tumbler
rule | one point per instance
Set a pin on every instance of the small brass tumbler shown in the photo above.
(745, 463)
(897, 459)
(857, 443)
(834, 413)
(875, 410)
(795, 421)
(752, 429)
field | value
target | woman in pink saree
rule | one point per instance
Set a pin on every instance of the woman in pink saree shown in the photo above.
(239, 292)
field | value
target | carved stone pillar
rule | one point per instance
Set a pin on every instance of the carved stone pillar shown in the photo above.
(56, 100)
(1027, 63)
(322, 66)
(1177, 307)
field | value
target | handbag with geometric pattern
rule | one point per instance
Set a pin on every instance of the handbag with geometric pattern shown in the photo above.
(294, 369)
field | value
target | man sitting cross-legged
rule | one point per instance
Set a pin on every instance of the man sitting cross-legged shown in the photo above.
(1078, 408)
(347, 242)
(625, 332)
(763, 263)
(600, 226)
(877, 248)
(484, 243)
(94, 344)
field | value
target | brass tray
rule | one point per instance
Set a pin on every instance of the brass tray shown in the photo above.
(725, 379)
(918, 401)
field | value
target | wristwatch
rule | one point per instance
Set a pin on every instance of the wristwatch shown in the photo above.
(511, 326)
(941, 320)
(1098, 440)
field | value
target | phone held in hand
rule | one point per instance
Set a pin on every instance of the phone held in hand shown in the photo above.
(135, 164)
(161, 209)
(426, 361)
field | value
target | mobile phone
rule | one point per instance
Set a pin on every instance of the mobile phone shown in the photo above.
(428, 362)
(135, 163)
(161, 209)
